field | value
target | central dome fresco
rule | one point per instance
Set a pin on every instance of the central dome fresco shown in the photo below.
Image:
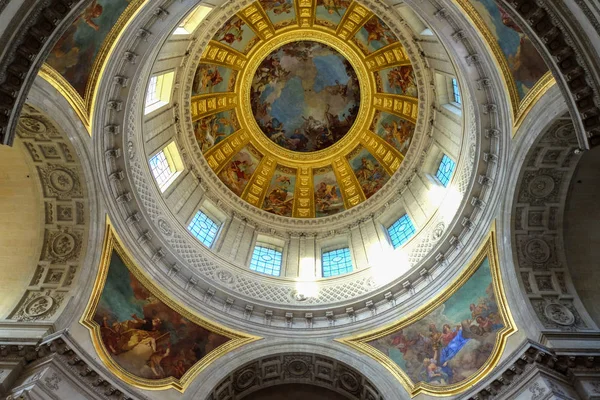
(305, 96)
(304, 109)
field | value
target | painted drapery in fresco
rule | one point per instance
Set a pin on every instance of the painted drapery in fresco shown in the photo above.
(142, 334)
(453, 341)
(524, 61)
(74, 54)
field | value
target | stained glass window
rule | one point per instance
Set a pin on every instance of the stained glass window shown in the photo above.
(266, 260)
(204, 228)
(401, 230)
(336, 262)
(445, 170)
(456, 91)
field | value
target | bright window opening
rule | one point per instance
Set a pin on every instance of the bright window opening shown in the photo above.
(401, 231)
(456, 91)
(266, 260)
(204, 228)
(445, 170)
(191, 22)
(159, 91)
(166, 165)
(336, 262)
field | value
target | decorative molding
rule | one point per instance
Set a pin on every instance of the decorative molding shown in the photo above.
(113, 244)
(24, 54)
(66, 216)
(565, 51)
(309, 369)
(73, 361)
(515, 373)
(537, 229)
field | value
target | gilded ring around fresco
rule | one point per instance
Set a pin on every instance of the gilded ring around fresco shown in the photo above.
(336, 57)
(304, 111)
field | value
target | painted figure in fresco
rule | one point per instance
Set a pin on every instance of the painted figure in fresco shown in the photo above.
(277, 6)
(126, 335)
(398, 133)
(370, 176)
(93, 11)
(305, 111)
(453, 353)
(377, 31)
(326, 195)
(527, 64)
(212, 129)
(334, 6)
(402, 78)
(237, 174)
(433, 373)
(231, 32)
(154, 341)
(206, 79)
(277, 200)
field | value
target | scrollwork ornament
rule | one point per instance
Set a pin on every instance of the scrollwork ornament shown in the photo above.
(559, 314)
(38, 306)
(60, 182)
(164, 227)
(541, 186)
(438, 231)
(349, 382)
(225, 276)
(245, 379)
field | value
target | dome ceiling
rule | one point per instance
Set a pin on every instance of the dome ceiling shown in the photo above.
(318, 110)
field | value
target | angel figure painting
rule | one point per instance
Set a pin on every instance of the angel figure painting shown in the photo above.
(214, 128)
(328, 196)
(331, 12)
(212, 79)
(399, 80)
(279, 10)
(142, 334)
(375, 35)
(369, 172)
(237, 173)
(395, 130)
(524, 61)
(280, 194)
(452, 342)
(235, 33)
(74, 54)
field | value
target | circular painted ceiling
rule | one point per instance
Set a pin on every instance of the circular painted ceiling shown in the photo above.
(305, 96)
(304, 108)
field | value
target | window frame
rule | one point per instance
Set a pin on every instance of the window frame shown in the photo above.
(406, 238)
(456, 96)
(191, 21)
(218, 224)
(347, 268)
(162, 84)
(172, 157)
(439, 171)
(268, 247)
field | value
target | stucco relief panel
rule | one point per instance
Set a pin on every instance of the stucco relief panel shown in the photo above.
(65, 216)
